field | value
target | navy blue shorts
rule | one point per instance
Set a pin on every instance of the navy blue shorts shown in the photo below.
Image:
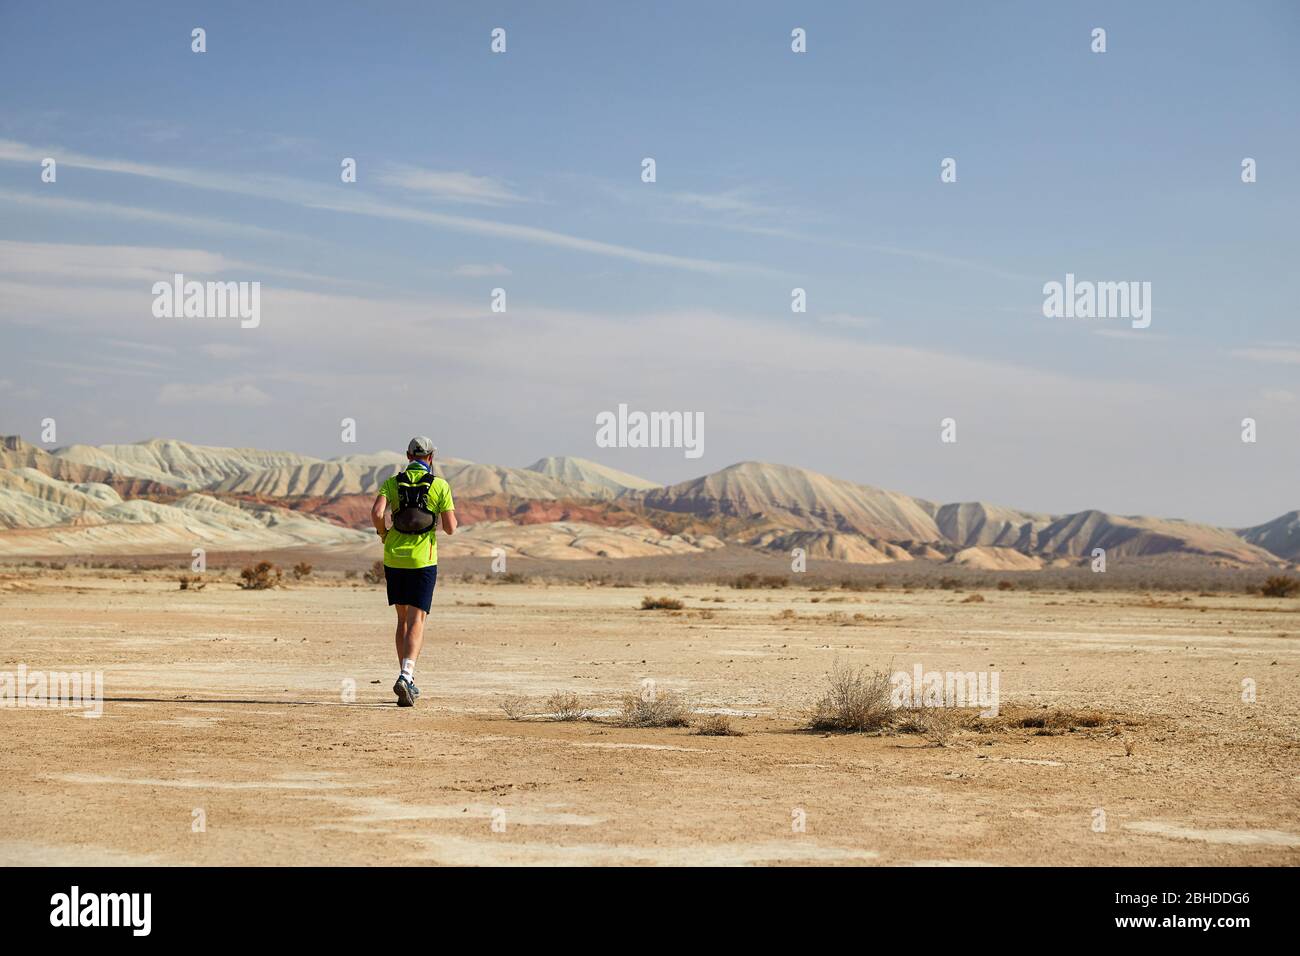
(413, 586)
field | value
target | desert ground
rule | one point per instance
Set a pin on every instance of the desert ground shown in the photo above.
(229, 736)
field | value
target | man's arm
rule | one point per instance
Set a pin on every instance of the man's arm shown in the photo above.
(447, 510)
(377, 515)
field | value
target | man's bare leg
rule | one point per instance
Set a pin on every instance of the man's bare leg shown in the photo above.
(410, 638)
(401, 631)
(404, 688)
(415, 618)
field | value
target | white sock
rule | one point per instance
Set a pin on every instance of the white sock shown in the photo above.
(408, 668)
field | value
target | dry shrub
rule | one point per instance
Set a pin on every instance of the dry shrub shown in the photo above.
(787, 615)
(909, 720)
(1279, 585)
(856, 700)
(660, 604)
(750, 580)
(375, 574)
(1006, 586)
(260, 577)
(661, 709)
(301, 570)
(1050, 723)
(940, 723)
(562, 706)
(973, 599)
(716, 725)
(516, 707)
(192, 582)
(935, 724)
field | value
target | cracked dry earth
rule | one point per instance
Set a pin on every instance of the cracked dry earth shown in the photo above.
(226, 736)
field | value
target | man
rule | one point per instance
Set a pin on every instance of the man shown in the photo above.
(417, 500)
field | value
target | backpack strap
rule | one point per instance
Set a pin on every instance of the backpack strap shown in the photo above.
(427, 478)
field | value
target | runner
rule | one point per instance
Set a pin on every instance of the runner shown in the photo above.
(417, 499)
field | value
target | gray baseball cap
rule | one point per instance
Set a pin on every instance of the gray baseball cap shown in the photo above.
(421, 446)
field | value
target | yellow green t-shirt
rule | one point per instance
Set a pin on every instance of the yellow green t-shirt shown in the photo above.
(415, 550)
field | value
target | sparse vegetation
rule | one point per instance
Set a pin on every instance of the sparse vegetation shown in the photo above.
(192, 582)
(660, 709)
(660, 604)
(375, 574)
(716, 725)
(1006, 586)
(856, 700)
(565, 706)
(1279, 585)
(260, 577)
(939, 724)
(1052, 722)
(301, 570)
(751, 580)
(516, 707)
(973, 599)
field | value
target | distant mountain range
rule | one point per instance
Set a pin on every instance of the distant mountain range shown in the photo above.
(164, 495)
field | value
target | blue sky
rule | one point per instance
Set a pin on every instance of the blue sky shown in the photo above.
(775, 170)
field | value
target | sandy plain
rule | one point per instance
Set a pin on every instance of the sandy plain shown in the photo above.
(260, 727)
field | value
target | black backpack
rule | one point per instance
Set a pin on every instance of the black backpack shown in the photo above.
(412, 514)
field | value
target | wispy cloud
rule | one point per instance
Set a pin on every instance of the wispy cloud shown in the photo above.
(212, 393)
(738, 202)
(1132, 335)
(846, 320)
(223, 352)
(140, 346)
(108, 369)
(737, 210)
(1276, 354)
(82, 207)
(479, 270)
(450, 186)
(107, 263)
(131, 263)
(346, 199)
(877, 248)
